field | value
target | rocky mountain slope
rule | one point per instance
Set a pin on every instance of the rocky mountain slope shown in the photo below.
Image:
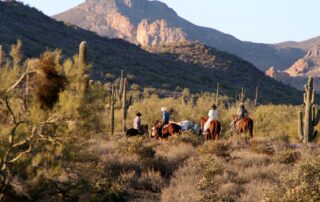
(39, 32)
(297, 74)
(151, 23)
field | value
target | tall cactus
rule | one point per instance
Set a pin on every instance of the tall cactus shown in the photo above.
(217, 94)
(255, 102)
(112, 102)
(124, 105)
(121, 85)
(83, 54)
(311, 118)
(82, 78)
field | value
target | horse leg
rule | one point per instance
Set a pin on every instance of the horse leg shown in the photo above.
(251, 130)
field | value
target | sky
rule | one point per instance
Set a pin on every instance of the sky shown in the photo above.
(265, 21)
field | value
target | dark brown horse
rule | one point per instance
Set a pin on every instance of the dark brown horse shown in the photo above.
(134, 132)
(164, 131)
(245, 125)
(213, 132)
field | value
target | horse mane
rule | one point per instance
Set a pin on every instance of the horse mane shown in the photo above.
(202, 118)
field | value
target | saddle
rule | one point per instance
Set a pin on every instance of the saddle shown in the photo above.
(165, 126)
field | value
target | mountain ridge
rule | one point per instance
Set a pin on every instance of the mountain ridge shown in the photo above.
(39, 33)
(130, 13)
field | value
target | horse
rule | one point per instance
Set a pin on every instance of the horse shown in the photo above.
(134, 132)
(245, 125)
(213, 132)
(166, 130)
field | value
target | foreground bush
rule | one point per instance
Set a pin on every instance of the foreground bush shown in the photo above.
(299, 184)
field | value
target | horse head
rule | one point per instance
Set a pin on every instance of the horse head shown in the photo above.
(202, 122)
(155, 129)
(234, 117)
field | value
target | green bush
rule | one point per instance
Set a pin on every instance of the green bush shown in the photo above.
(220, 148)
(301, 183)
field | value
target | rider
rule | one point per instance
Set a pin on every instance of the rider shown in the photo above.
(241, 113)
(165, 115)
(137, 122)
(212, 115)
(165, 119)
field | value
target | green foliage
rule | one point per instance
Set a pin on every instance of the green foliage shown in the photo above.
(219, 148)
(302, 183)
(306, 124)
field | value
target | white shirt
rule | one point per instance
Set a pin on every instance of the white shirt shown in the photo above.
(137, 123)
(213, 114)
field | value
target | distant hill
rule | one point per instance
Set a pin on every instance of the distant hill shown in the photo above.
(296, 75)
(195, 66)
(151, 23)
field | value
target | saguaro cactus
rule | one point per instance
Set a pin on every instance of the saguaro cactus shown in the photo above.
(83, 54)
(124, 105)
(311, 118)
(112, 102)
(217, 94)
(256, 97)
(121, 85)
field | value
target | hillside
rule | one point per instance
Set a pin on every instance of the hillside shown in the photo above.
(152, 23)
(39, 32)
(297, 74)
(306, 45)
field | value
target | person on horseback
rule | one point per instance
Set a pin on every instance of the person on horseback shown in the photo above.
(137, 122)
(241, 113)
(165, 119)
(165, 115)
(212, 115)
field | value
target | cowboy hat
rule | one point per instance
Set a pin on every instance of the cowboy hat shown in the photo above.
(139, 114)
(163, 109)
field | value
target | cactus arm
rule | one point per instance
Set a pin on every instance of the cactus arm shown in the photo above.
(314, 135)
(316, 116)
(305, 88)
(300, 126)
(313, 96)
(305, 97)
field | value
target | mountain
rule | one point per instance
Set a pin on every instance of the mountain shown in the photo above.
(296, 75)
(306, 45)
(152, 23)
(184, 65)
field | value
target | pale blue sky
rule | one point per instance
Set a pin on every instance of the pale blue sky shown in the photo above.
(267, 21)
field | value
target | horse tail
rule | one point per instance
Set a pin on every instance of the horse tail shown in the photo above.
(250, 128)
(217, 128)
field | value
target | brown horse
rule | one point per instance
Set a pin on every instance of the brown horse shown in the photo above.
(164, 131)
(213, 132)
(245, 125)
(134, 132)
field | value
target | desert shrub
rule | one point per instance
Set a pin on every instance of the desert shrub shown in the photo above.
(49, 83)
(151, 181)
(262, 147)
(175, 154)
(246, 159)
(302, 183)
(220, 148)
(195, 181)
(288, 156)
(187, 137)
(136, 146)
